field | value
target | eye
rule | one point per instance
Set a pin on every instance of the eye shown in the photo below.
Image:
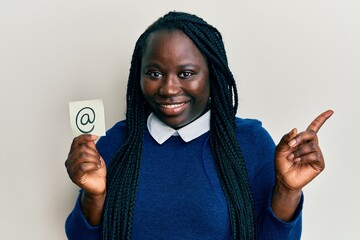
(185, 74)
(154, 74)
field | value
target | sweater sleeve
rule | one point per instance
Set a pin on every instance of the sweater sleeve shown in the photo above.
(270, 227)
(77, 227)
(259, 149)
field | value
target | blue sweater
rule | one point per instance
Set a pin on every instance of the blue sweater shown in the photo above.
(179, 194)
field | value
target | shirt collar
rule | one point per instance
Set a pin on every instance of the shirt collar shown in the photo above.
(162, 132)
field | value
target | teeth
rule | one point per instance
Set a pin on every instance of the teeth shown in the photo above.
(172, 105)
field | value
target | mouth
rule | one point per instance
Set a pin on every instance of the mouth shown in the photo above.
(172, 109)
(172, 106)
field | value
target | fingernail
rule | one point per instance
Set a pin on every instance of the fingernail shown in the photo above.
(297, 160)
(292, 142)
(291, 156)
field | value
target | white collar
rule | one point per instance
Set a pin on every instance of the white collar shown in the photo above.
(162, 132)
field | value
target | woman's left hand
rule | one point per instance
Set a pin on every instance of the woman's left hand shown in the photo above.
(298, 160)
(298, 157)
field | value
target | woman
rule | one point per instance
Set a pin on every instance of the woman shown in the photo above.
(182, 166)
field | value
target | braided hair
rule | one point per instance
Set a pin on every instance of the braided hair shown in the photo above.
(123, 171)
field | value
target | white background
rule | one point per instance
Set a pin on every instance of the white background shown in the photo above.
(291, 59)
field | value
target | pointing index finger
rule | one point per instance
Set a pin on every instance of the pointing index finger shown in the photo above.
(319, 121)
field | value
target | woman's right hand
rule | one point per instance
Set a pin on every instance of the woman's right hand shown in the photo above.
(85, 166)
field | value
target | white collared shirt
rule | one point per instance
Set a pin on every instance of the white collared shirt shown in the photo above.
(162, 132)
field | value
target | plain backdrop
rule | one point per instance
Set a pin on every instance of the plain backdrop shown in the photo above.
(292, 60)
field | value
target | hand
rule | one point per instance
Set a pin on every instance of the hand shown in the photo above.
(298, 157)
(85, 166)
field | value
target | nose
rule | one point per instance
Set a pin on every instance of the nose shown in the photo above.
(170, 86)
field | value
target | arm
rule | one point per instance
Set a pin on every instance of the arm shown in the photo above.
(92, 207)
(285, 202)
(261, 160)
(259, 148)
(86, 168)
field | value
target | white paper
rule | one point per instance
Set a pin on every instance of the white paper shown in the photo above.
(87, 117)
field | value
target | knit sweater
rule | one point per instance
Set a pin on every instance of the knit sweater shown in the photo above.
(179, 195)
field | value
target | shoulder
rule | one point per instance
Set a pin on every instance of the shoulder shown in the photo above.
(115, 132)
(249, 126)
(247, 122)
(118, 127)
(251, 133)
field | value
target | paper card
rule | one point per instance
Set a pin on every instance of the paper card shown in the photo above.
(87, 117)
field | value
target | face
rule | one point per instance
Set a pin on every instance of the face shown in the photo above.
(174, 78)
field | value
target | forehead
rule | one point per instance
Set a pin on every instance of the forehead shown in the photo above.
(172, 43)
(158, 35)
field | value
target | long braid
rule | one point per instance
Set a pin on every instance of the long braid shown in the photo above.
(229, 158)
(123, 171)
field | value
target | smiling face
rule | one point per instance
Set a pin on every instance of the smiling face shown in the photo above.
(174, 78)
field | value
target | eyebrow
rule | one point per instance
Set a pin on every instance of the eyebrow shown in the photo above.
(188, 65)
(181, 65)
(151, 65)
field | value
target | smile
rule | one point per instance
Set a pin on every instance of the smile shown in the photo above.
(172, 106)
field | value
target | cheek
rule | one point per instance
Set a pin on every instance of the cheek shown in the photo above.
(202, 89)
(207, 88)
(205, 84)
(146, 87)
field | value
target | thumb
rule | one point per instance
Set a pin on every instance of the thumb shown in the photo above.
(92, 143)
